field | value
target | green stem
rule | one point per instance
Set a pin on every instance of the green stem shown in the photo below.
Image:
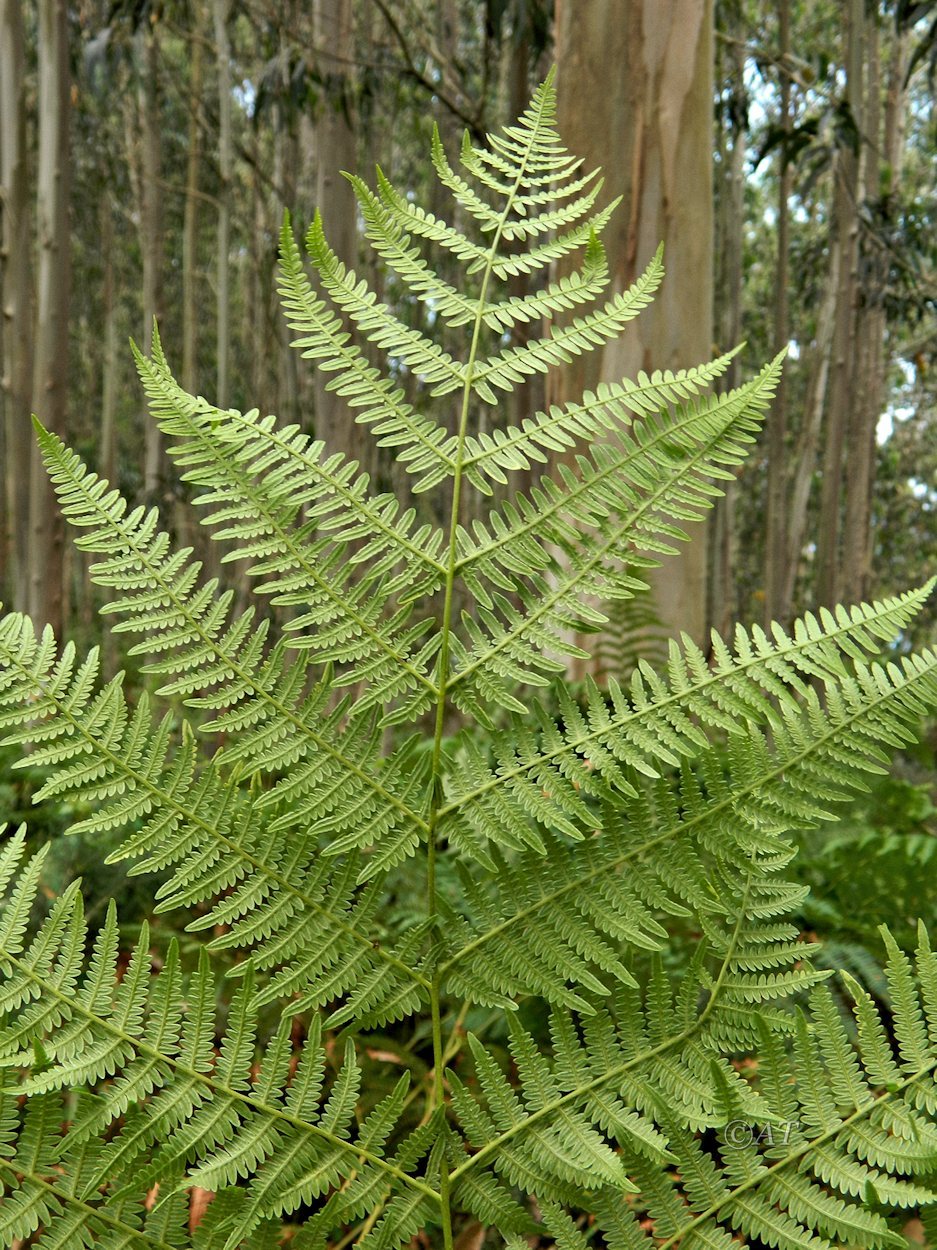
(784, 766)
(130, 1234)
(277, 1114)
(570, 1098)
(442, 691)
(766, 1170)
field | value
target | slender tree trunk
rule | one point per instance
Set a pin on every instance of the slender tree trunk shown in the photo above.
(846, 226)
(50, 364)
(16, 292)
(805, 459)
(107, 457)
(333, 30)
(190, 282)
(257, 321)
(220, 11)
(776, 547)
(654, 138)
(727, 314)
(151, 228)
(882, 169)
(285, 161)
(867, 353)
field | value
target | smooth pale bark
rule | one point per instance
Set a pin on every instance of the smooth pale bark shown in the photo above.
(286, 159)
(867, 353)
(829, 582)
(727, 311)
(882, 169)
(808, 441)
(635, 96)
(336, 152)
(220, 12)
(190, 282)
(777, 608)
(253, 307)
(107, 455)
(50, 363)
(16, 294)
(151, 226)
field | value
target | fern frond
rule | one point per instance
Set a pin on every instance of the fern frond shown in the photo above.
(222, 667)
(419, 222)
(534, 148)
(550, 772)
(363, 557)
(544, 912)
(563, 343)
(631, 494)
(838, 1143)
(298, 911)
(508, 448)
(609, 1083)
(455, 307)
(216, 1118)
(424, 358)
(611, 870)
(375, 399)
(43, 1183)
(793, 1166)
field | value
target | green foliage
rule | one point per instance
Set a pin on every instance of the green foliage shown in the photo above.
(878, 865)
(557, 841)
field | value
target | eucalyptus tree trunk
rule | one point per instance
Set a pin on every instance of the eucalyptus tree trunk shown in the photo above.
(190, 282)
(859, 451)
(653, 135)
(881, 172)
(107, 455)
(151, 225)
(285, 161)
(727, 307)
(777, 607)
(50, 362)
(829, 582)
(220, 13)
(808, 439)
(335, 152)
(16, 294)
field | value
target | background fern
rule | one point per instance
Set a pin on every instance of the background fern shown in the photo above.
(398, 717)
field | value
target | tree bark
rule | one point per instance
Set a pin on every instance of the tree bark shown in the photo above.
(50, 365)
(16, 293)
(151, 228)
(654, 138)
(727, 311)
(882, 169)
(867, 353)
(829, 583)
(107, 455)
(220, 11)
(336, 152)
(776, 546)
(285, 162)
(190, 283)
(808, 442)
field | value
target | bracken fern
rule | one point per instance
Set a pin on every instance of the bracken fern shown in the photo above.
(597, 1095)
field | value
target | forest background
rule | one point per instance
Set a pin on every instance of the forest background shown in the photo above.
(784, 153)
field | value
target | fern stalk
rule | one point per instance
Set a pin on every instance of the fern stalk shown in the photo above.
(442, 703)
